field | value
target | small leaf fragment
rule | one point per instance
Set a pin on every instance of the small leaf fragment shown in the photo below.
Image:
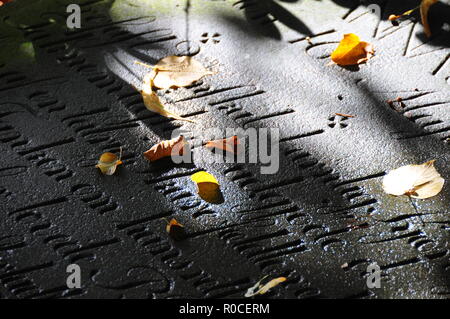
(418, 181)
(394, 17)
(424, 8)
(253, 290)
(108, 163)
(177, 71)
(227, 144)
(207, 186)
(175, 229)
(262, 289)
(2, 2)
(352, 51)
(173, 147)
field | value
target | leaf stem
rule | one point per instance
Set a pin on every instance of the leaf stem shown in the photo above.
(144, 64)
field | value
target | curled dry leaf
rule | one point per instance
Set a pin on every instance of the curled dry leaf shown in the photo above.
(394, 17)
(424, 8)
(177, 71)
(108, 163)
(152, 102)
(175, 229)
(418, 181)
(207, 186)
(259, 289)
(352, 51)
(345, 115)
(175, 147)
(228, 144)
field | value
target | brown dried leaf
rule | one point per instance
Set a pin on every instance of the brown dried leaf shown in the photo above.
(228, 144)
(167, 148)
(424, 8)
(4, 2)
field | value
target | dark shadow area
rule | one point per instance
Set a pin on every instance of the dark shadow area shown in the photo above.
(439, 19)
(263, 13)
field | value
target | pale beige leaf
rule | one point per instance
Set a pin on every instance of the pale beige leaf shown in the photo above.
(271, 284)
(418, 181)
(177, 71)
(153, 103)
(108, 163)
(262, 289)
(253, 290)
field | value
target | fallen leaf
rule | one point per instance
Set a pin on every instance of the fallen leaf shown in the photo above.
(253, 290)
(271, 284)
(204, 177)
(424, 8)
(152, 103)
(175, 146)
(344, 115)
(177, 71)
(228, 144)
(394, 17)
(352, 51)
(259, 289)
(108, 163)
(4, 2)
(208, 187)
(175, 229)
(418, 181)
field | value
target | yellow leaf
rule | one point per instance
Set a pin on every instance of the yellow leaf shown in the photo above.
(418, 181)
(262, 289)
(177, 71)
(271, 284)
(152, 102)
(424, 8)
(108, 163)
(352, 51)
(204, 177)
(208, 186)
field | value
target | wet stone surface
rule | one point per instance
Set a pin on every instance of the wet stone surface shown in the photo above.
(66, 96)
